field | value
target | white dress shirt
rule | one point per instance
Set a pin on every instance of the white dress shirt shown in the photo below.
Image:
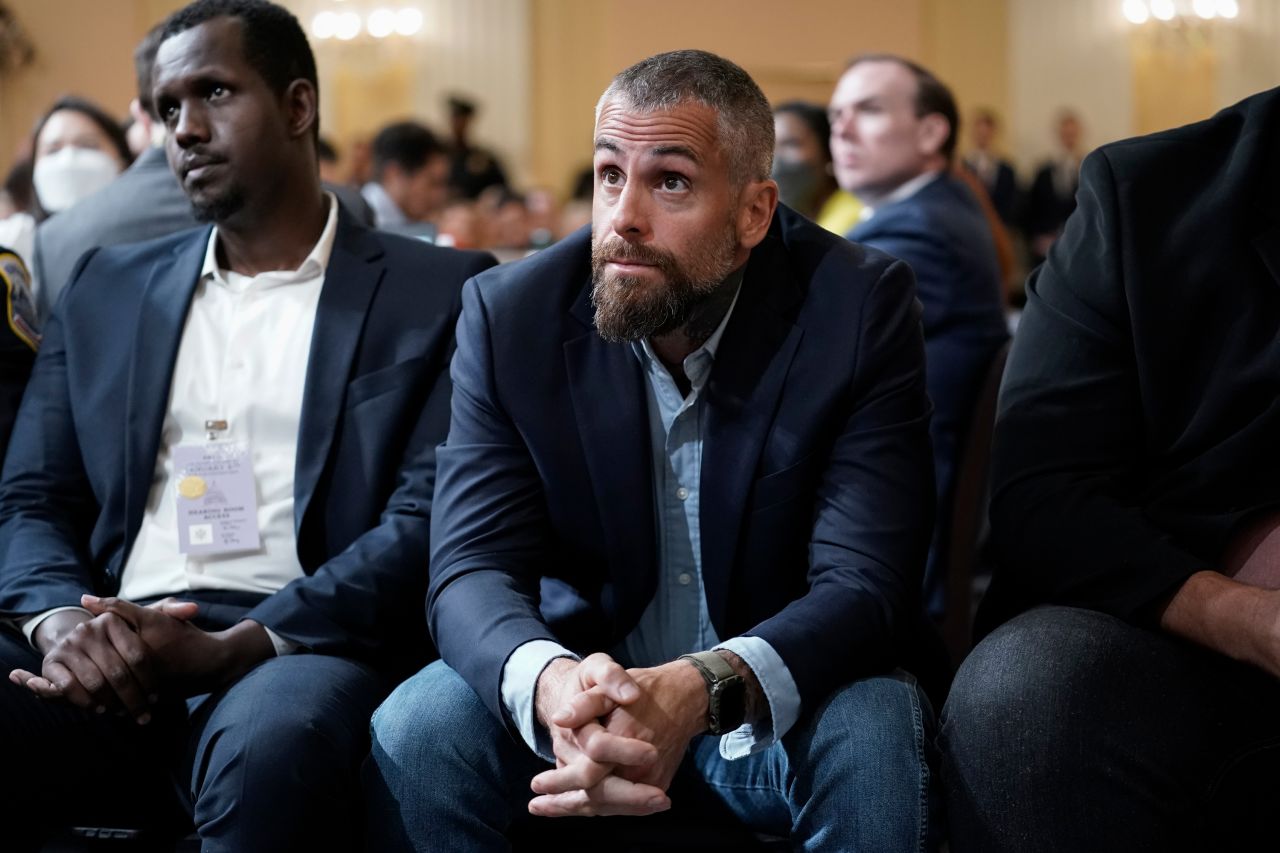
(902, 192)
(243, 360)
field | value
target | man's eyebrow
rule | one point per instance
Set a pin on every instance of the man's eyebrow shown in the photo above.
(677, 151)
(606, 144)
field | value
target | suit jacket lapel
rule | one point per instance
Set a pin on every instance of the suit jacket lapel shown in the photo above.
(742, 397)
(607, 388)
(350, 280)
(162, 316)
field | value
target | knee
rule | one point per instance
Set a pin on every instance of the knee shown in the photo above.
(422, 722)
(1029, 683)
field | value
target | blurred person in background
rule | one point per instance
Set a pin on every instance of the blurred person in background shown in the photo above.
(1052, 196)
(77, 149)
(893, 136)
(460, 226)
(472, 169)
(803, 170)
(410, 175)
(330, 164)
(990, 167)
(17, 194)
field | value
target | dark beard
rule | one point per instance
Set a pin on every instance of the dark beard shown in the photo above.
(630, 308)
(219, 209)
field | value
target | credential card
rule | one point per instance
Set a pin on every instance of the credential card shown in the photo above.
(217, 498)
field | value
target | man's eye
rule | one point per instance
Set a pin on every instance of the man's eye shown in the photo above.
(218, 92)
(674, 183)
(610, 177)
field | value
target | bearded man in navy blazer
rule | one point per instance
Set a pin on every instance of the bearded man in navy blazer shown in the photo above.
(236, 426)
(686, 491)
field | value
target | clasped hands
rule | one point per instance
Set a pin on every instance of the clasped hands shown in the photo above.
(618, 735)
(123, 655)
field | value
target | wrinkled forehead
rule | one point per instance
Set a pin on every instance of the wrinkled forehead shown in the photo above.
(875, 78)
(689, 125)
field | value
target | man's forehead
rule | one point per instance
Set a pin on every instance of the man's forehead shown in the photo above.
(216, 41)
(875, 78)
(689, 125)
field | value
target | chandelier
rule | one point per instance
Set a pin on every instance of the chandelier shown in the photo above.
(1179, 12)
(345, 23)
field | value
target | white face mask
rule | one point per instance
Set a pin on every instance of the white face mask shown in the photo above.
(69, 174)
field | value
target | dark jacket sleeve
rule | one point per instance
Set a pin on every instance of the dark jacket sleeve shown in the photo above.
(489, 527)
(1069, 432)
(873, 509)
(47, 504)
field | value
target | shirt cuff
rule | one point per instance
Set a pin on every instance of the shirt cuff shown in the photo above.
(779, 690)
(282, 646)
(31, 623)
(520, 683)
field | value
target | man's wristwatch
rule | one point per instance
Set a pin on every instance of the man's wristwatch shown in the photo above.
(726, 692)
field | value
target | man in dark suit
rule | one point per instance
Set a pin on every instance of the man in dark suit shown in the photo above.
(993, 170)
(893, 137)
(235, 425)
(146, 201)
(1052, 194)
(1135, 488)
(700, 429)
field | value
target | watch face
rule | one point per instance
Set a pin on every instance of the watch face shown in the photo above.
(727, 705)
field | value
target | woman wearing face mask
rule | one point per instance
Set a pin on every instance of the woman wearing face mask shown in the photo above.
(802, 167)
(77, 149)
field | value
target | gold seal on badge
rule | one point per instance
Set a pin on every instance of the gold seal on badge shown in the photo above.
(192, 486)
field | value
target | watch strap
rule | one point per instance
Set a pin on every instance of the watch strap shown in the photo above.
(710, 666)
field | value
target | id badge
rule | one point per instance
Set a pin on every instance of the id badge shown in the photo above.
(217, 498)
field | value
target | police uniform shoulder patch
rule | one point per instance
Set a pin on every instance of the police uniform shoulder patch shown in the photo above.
(20, 309)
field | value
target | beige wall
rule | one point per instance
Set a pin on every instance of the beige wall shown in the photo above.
(793, 50)
(83, 47)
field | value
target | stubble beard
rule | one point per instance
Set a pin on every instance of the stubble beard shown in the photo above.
(630, 308)
(219, 208)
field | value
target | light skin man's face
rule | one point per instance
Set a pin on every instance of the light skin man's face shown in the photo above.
(664, 217)
(878, 142)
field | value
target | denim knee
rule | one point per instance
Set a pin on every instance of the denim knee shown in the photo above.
(420, 722)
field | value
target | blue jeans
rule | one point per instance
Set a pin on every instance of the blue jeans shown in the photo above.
(852, 775)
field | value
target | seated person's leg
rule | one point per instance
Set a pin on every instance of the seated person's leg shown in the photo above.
(274, 759)
(64, 766)
(443, 774)
(853, 775)
(1069, 730)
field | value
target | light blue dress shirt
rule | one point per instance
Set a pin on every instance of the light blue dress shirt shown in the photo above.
(676, 621)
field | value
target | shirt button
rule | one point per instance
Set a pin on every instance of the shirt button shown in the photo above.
(682, 493)
(684, 578)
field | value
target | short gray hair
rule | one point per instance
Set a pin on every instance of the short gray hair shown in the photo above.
(745, 121)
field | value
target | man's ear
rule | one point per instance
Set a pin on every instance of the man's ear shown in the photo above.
(303, 109)
(932, 133)
(755, 211)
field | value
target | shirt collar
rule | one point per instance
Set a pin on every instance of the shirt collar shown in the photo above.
(902, 193)
(385, 210)
(312, 267)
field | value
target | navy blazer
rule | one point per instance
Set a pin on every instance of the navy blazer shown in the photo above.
(83, 454)
(816, 477)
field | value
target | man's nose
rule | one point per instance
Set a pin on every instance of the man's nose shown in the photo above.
(630, 218)
(191, 127)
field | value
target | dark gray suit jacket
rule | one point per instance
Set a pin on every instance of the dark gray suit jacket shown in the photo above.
(145, 202)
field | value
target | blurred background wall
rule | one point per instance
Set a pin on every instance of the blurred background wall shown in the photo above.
(536, 67)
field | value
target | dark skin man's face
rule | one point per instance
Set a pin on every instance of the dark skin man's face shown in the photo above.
(229, 132)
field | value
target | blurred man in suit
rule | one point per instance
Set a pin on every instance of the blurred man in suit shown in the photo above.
(1052, 195)
(1135, 489)
(991, 168)
(893, 137)
(692, 442)
(214, 511)
(410, 175)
